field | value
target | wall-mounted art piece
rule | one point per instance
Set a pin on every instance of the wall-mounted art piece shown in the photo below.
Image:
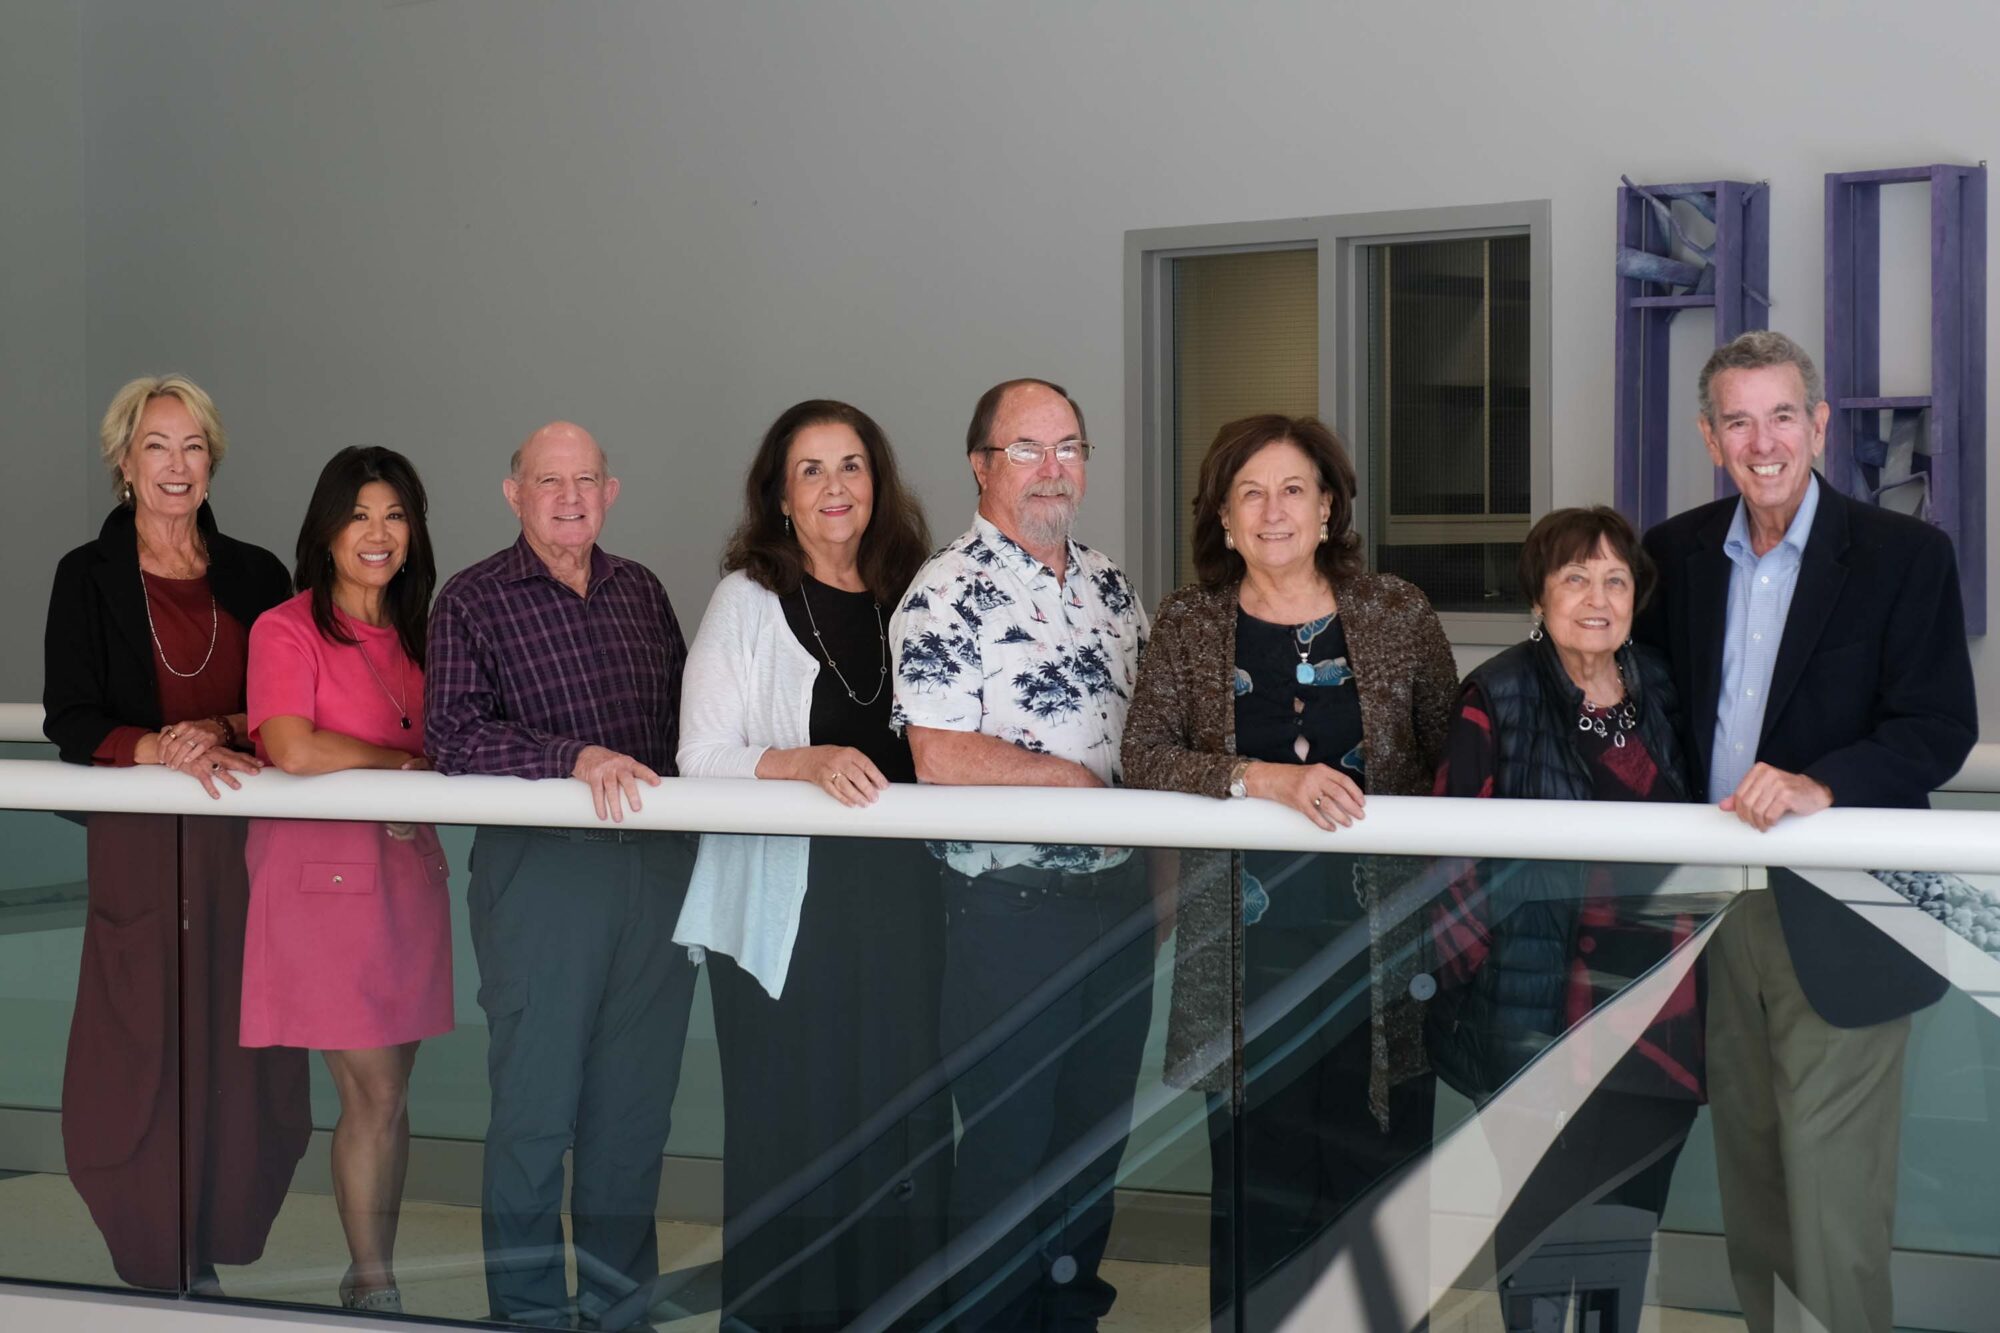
(1921, 453)
(1704, 246)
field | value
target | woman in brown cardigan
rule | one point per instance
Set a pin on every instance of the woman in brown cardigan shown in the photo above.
(1290, 674)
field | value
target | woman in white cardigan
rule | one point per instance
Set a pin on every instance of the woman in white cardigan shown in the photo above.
(823, 956)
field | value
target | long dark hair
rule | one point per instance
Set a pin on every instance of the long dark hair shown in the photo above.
(1338, 558)
(407, 602)
(895, 543)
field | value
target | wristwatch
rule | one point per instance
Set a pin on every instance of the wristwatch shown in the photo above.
(1236, 775)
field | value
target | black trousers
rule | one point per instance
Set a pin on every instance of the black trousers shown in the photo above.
(1306, 1146)
(1046, 1112)
(855, 1026)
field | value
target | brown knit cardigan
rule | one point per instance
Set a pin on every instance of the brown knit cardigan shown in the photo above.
(1180, 735)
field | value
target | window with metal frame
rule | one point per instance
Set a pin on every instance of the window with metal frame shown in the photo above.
(1421, 336)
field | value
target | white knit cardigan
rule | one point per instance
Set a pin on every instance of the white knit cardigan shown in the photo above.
(747, 689)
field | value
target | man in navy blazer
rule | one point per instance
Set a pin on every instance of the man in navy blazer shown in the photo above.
(1820, 645)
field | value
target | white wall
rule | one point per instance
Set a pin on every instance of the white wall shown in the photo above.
(44, 422)
(434, 225)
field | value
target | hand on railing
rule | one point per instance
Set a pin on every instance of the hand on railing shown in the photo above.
(1324, 795)
(1768, 794)
(613, 779)
(196, 748)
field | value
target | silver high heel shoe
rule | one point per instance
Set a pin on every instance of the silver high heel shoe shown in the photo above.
(383, 1300)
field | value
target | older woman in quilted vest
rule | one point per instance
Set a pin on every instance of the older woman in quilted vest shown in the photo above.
(1525, 950)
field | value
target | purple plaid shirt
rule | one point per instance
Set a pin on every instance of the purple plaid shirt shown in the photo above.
(523, 673)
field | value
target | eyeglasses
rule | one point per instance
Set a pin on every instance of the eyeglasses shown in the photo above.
(1030, 453)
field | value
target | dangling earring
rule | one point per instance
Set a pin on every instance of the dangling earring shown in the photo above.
(1535, 634)
(1228, 540)
(125, 495)
(788, 525)
(1324, 534)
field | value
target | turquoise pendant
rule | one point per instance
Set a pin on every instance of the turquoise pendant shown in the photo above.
(1304, 673)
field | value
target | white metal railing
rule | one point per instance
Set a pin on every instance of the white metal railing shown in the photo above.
(22, 723)
(1953, 840)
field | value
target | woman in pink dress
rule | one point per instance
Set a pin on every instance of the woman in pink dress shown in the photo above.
(349, 944)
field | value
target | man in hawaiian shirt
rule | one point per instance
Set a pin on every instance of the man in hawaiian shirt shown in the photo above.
(1016, 649)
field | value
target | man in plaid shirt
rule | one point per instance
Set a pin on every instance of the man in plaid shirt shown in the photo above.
(556, 659)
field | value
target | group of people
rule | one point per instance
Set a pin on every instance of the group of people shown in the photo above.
(929, 1051)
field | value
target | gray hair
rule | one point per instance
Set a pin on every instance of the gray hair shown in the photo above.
(1756, 350)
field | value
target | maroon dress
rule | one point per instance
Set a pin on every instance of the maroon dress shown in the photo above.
(183, 1161)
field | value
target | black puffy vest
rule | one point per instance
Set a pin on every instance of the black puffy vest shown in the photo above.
(1534, 706)
(1512, 1008)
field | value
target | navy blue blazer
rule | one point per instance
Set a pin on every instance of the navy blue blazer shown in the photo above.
(1872, 695)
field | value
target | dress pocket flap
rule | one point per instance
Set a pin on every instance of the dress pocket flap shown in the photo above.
(337, 877)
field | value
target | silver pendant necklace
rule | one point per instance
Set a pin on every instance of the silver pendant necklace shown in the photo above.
(1303, 672)
(1613, 722)
(402, 685)
(882, 634)
(214, 625)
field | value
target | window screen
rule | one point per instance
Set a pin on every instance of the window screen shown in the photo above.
(1246, 340)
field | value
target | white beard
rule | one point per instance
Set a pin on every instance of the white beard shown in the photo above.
(1046, 520)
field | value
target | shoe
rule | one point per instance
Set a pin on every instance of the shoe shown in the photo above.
(383, 1300)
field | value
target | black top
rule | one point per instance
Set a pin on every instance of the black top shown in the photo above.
(1275, 711)
(97, 651)
(851, 632)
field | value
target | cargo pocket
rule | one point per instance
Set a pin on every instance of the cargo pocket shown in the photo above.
(502, 999)
(337, 877)
(503, 1003)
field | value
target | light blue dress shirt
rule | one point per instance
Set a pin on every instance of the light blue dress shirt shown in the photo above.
(1760, 597)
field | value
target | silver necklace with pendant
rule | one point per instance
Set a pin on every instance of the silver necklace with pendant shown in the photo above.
(402, 684)
(882, 634)
(1611, 723)
(1303, 672)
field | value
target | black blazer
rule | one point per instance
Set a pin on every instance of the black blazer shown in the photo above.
(97, 653)
(1872, 695)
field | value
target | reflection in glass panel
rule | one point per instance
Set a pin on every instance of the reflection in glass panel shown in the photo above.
(125, 1073)
(1009, 1099)
(954, 1103)
(1466, 1086)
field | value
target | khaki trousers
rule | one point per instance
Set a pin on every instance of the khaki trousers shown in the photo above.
(1807, 1120)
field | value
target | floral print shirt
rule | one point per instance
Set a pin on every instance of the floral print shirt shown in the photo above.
(987, 640)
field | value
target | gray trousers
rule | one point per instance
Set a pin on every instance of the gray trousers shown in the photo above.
(586, 998)
(1807, 1120)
